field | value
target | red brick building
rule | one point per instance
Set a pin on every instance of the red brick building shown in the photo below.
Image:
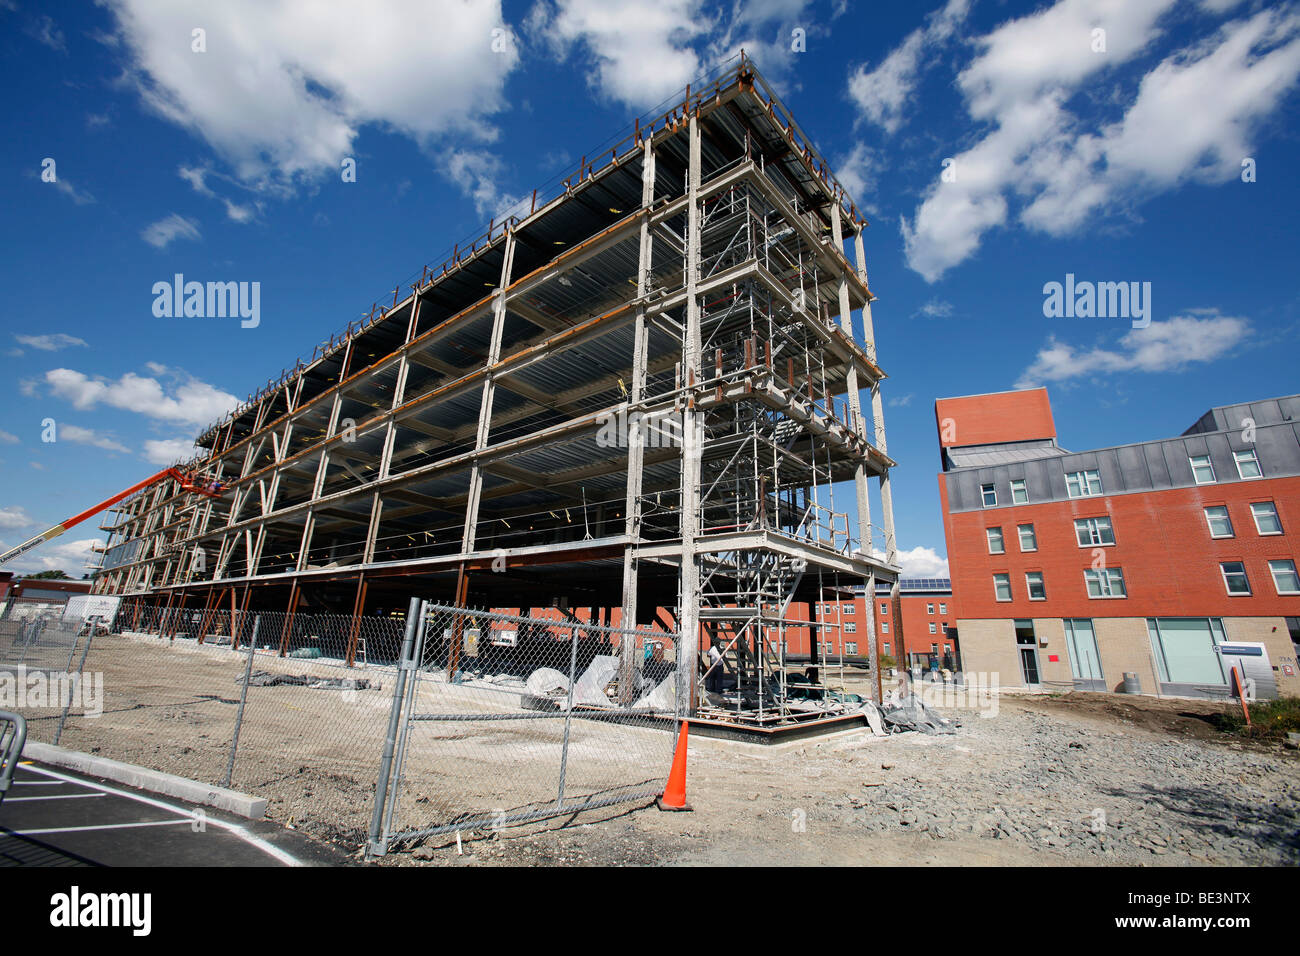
(1170, 560)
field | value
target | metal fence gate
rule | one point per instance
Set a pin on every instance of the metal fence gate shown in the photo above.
(500, 719)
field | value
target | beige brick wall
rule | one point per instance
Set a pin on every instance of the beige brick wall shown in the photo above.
(1272, 633)
(1124, 646)
(989, 647)
(1055, 675)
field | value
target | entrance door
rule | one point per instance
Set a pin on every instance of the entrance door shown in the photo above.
(1027, 645)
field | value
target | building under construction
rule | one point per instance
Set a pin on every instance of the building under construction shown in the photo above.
(643, 397)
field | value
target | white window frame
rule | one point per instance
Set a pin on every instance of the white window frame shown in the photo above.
(929, 608)
(1006, 579)
(1207, 463)
(851, 648)
(933, 628)
(1002, 540)
(1223, 570)
(1042, 584)
(1253, 459)
(1083, 483)
(1020, 536)
(1023, 487)
(985, 491)
(884, 608)
(884, 627)
(850, 609)
(1105, 584)
(1092, 528)
(1272, 506)
(943, 609)
(1227, 516)
(1291, 570)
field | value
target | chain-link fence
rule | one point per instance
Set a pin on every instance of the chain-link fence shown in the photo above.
(507, 719)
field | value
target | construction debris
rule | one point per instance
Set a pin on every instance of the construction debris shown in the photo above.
(269, 679)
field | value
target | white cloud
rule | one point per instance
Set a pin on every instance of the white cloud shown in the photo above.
(8, 438)
(50, 342)
(188, 400)
(923, 562)
(285, 86)
(857, 173)
(935, 309)
(46, 31)
(161, 233)
(12, 518)
(169, 450)
(476, 174)
(884, 92)
(1167, 346)
(900, 401)
(71, 557)
(641, 49)
(85, 436)
(78, 196)
(1191, 119)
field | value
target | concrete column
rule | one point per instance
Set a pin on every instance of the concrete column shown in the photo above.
(878, 412)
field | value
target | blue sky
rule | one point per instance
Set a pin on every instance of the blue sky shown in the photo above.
(1115, 156)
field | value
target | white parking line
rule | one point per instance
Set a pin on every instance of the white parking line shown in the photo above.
(265, 846)
(56, 796)
(102, 826)
(38, 783)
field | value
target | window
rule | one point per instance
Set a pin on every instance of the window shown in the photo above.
(1081, 643)
(1265, 515)
(1234, 577)
(933, 629)
(884, 609)
(1028, 540)
(884, 627)
(1185, 649)
(929, 609)
(1202, 469)
(1285, 578)
(1217, 518)
(944, 626)
(850, 609)
(1093, 531)
(886, 647)
(995, 540)
(1002, 586)
(1019, 493)
(1247, 464)
(1083, 484)
(1105, 583)
(851, 647)
(850, 627)
(1034, 583)
(943, 609)
(989, 496)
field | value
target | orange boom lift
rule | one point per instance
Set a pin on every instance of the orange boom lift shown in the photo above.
(187, 482)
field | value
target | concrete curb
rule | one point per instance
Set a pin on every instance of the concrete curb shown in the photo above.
(154, 781)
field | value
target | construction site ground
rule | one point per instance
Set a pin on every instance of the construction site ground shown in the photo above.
(1080, 779)
(1075, 779)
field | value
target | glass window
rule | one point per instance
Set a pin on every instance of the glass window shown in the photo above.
(850, 647)
(850, 609)
(1202, 469)
(850, 627)
(1184, 649)
(1105, 583)
(929, 609)
(884, 628)
(1217, 518)
(1002, 586)
(943, 609)
(1083, 484)
(1091, 532)
(1265, 515)
(1247, 464)
(1285, 578)
(995, 540)
(1234, 577)
(1081, 642)
(1034, 583)
(886, 647)
(1019, 492)
(884, 609)
(989, 495)
(1028, 541)
(933, 629)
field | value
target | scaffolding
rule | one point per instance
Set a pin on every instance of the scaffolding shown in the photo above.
(641, 398)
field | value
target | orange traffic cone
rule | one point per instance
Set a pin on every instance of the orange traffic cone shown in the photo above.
(674, 795)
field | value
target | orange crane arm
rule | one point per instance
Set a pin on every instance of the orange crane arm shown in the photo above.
(58, 529)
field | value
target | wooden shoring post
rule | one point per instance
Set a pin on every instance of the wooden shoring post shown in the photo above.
(458, 626)
(234, 622)
(294, 593)
(209, 610)
(357, 606)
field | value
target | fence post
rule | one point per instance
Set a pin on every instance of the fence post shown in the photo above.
(72, 684)
(243, 698)
(399, 762)
(568, 713)
(378, 843)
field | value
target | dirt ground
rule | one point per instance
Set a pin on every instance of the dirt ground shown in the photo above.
(1081, 779)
